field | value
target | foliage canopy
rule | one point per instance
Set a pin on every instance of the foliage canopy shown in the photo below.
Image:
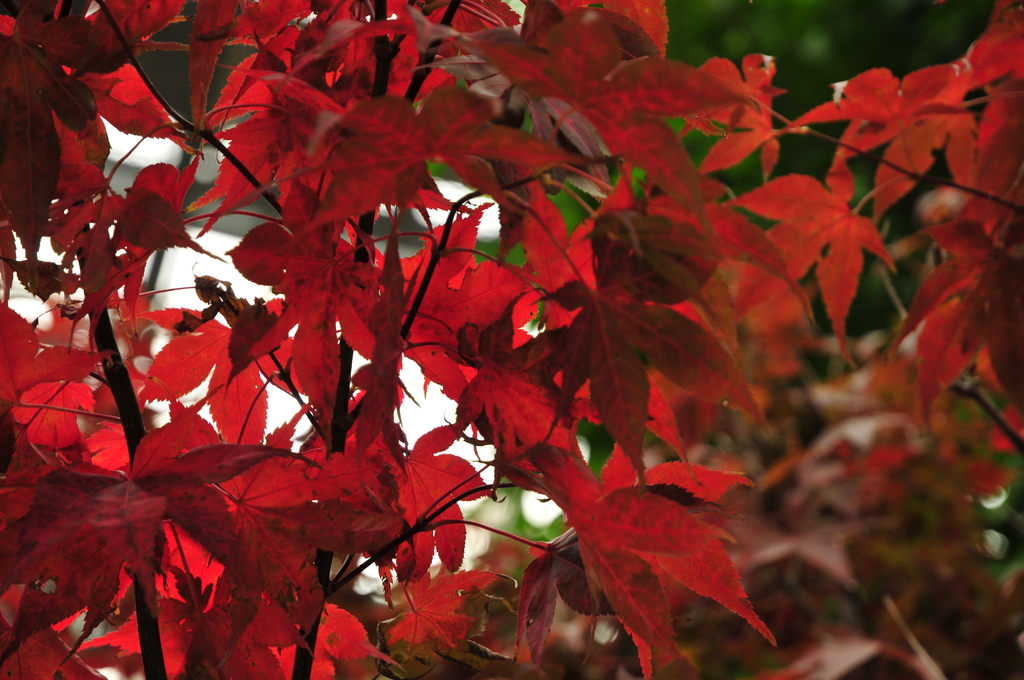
(672, 312)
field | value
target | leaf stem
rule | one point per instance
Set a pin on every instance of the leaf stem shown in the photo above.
(188, 571)
(184, 122)
(285, 377)
(917, 176)
(340, 581)
(120, 383)
(247, 213)
(967, 386)
(77, 412)
(435, 257)
(493, 530)
(252, 406)
(596, 181)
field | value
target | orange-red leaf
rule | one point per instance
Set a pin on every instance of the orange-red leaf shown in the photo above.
(812, 219)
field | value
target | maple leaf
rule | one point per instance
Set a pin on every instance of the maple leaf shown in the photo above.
(622, 100)
(55, 429)
(754, 119)
(445, 612)
(209, 32)
(679, 348)
(42, 657)
(25, 363)
(616, 548)
(151, 214)
(511, 398)
(275, 521)
(810, 220)
(452, 125)
(60, 588)
(126, 511)
(971, 298)
(385, 322)
(650, 15)
(462, 295)
(124, 101)
(709, 571)
(323, 284)
(917, 115)
(184, 364)
(429, 479)
(197, 635)
(34, 88)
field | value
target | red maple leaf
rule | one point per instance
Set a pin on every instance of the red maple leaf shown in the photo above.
(36, 88)
(812, 219)
(915, 116)
(169, 480)
(623, 100)
(971, 298)
(445, 613)
(749, 125)
(25, 363)
(626, 575)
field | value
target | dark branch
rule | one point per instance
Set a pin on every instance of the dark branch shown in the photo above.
(341, 420)
(420, 76)
(438, 252)
(120, 383)
(422, 525)
(185, 123)
(967, 386)
(916, 176)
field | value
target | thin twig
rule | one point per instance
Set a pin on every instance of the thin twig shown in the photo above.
(894, 297)
(77, 412)
(917, 176)
(341, 580)
(285, 377)
(493, 530)
(967, 386)
(915, 644)
(184, 122)
(252, 407)
(438, 251)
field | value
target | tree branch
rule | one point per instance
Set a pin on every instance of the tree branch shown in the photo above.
(207, 135)
(917, 176)
(123, 391)
(420, 75)
(286, 378)
(421, 525)
(967, 386)
(341, 421)
(438, 251)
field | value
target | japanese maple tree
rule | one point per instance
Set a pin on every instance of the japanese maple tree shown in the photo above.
(213, 545)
